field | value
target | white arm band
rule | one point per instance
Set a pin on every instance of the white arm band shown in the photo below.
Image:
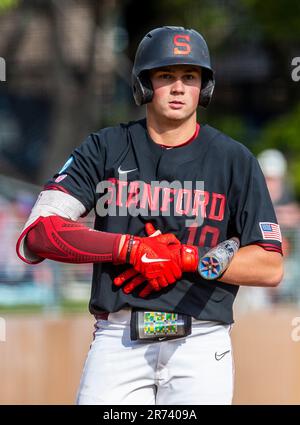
(49, 202)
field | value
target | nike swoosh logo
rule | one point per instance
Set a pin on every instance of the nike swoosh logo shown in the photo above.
(125, 171)
(220, 356)
(145, 259)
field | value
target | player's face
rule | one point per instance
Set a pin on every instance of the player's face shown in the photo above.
(176, 91)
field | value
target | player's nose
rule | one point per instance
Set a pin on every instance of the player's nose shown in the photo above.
(177, 86)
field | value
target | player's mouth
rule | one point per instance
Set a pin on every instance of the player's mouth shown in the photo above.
(176, 104)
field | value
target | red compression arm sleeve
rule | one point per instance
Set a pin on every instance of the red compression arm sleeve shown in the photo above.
(61, 239)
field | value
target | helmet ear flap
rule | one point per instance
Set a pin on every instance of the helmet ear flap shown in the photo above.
(206, 93)
(142, 88)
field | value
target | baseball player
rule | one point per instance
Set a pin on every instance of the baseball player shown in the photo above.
(165, 189)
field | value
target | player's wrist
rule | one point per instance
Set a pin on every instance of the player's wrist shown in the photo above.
(127, 244)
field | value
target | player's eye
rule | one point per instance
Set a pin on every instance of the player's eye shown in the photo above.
(165, 76)
(190, 77)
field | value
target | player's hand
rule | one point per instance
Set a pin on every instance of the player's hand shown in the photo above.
(151, 258)
(186, 256)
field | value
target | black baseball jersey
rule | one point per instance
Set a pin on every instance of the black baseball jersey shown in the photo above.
(204, 192)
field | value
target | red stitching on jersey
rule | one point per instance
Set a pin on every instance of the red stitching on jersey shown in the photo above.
(270, 247)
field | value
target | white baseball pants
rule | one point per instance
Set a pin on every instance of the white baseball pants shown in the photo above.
(197, 369)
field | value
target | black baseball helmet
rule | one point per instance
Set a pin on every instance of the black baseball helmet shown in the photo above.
(171, 46)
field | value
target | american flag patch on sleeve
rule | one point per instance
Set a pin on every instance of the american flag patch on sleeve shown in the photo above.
(270, 231)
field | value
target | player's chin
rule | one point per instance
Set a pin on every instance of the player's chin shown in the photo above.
(180, 115)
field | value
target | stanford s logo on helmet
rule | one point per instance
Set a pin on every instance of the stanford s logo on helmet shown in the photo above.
(171, 46)
(182, 48)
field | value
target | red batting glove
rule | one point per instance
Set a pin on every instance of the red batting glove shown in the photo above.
(151, 258)
(186, 256)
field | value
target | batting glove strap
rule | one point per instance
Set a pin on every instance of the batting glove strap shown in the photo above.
(130, 244)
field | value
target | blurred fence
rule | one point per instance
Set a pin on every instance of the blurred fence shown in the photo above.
(43, 356)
